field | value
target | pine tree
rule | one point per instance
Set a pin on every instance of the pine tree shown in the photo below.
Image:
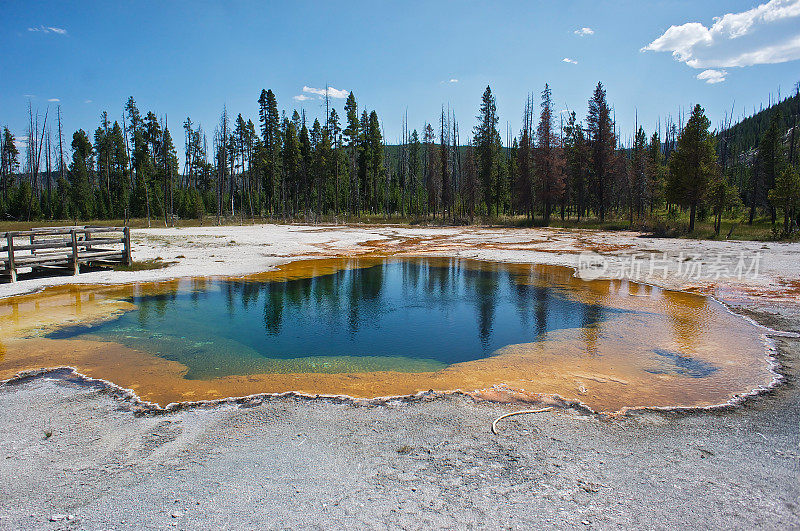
(80, 172)
(577, 162)
(141, 161)
(655, 172)
(414, 166)
(102, 146)
(638, 185)
(431, 176)
(305, 166)
(603, 144)
(9, 164)
(470, 185)
(771, 160)
(168, 164)
(364, 185)
(693, 165)
(786, 196)
(291, 165)
(523, 174)
(118, 173)
(723, 195)
(487, 143)
(153, 138)
(549, 162)
(221, 162)
(334, 130)
(272, 143)
(444, 162)
(351, 138)
(322, 155)
(375, 161)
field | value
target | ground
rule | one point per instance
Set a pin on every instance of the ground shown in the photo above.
(75, 455)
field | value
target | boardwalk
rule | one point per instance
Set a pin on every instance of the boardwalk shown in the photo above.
(63, 247)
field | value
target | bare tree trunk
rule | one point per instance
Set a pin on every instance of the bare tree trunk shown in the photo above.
(34, 154)
(147, 202)
(108, 168)
(127, 154)
(49, 167)
(164, 155)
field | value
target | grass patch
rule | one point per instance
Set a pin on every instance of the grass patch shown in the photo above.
(143, 265)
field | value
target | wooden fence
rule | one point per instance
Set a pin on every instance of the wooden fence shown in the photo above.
(63, 247)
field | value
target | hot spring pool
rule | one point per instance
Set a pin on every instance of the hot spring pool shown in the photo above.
(385, 326)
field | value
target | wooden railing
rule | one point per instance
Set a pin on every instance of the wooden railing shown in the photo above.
(63, 247)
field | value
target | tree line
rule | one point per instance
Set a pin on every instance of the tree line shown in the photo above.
(283, 167)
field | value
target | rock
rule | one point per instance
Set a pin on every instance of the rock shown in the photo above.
(59, 517)
(177, 514)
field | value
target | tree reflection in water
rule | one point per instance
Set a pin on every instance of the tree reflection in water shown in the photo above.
(449, 310)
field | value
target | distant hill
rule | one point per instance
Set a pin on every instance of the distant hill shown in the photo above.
(745, 135)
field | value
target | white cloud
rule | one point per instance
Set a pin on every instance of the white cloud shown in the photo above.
(768, 33)
(712, 76)
(584, 32)
(570, 61)
(48, 29)
(53, 100)
(21, 142)
(332, 92)
(29, 96)
(301, 97)
(87, 101)
(452, 80)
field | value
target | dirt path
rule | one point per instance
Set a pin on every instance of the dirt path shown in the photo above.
(71, 450)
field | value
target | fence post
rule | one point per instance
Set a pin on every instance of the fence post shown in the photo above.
(76, 266)
(86, 237)
(12, 270)
(126, 232)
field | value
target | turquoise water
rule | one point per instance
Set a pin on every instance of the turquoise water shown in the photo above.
(408, 315)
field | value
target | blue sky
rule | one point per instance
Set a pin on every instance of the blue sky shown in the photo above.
(189, 58)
